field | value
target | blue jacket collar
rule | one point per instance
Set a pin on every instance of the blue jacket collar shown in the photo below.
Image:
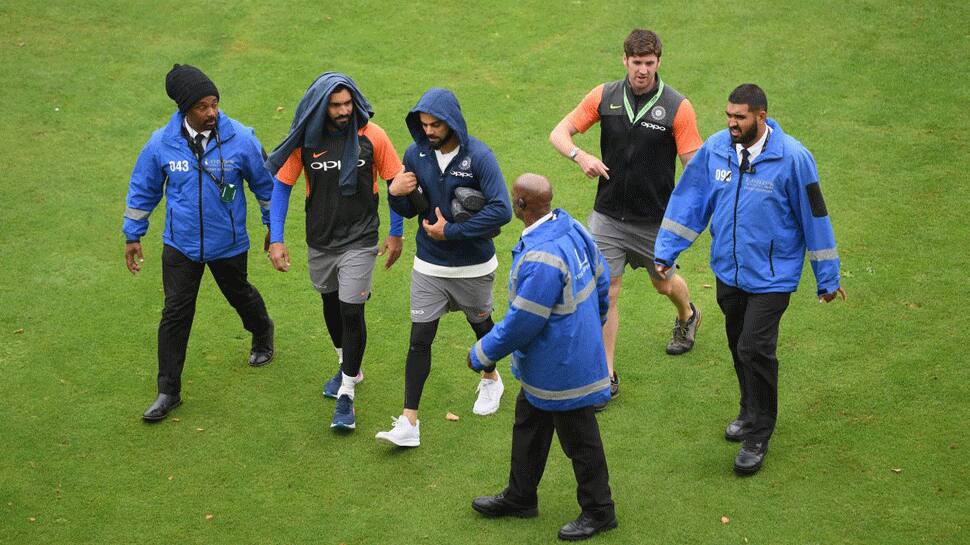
(559, 225)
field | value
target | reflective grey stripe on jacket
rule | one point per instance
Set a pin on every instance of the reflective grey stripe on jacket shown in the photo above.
(822, 255)
(136, 214)
(570, 302)
(572, 393)
(679, 230)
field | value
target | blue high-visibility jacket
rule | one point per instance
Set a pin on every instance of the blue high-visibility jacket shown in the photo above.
(763, 221)
(197, 222)
(558, 298)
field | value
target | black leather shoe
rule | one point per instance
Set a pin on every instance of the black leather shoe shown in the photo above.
(750, 457)
(262, 352)
(736, 430)
(163, 405)
(585, 527)
(498, 506)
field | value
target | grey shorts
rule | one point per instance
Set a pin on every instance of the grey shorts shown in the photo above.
(350, 273)
(433, 296)
(622, 243)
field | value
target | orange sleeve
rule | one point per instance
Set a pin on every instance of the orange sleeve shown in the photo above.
(685, 129)
(386, 162)
(289, 173)
(587, 113)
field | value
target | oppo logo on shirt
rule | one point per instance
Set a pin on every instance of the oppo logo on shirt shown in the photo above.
(461, 174)
(648, 125)
(327, 165)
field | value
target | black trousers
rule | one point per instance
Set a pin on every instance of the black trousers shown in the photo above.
(181, 278)
(579, 436)
(751, 321)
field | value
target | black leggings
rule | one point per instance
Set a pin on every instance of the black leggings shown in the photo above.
(418, 365)
(345, 323)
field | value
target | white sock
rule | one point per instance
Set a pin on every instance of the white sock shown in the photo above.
(340, 356)
(347, 384)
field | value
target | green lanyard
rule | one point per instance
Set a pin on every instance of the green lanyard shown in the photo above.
(646, 107)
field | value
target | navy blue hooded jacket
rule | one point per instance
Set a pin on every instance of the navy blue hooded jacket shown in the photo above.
(474, 166)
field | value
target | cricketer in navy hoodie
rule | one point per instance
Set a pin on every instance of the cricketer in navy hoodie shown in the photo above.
(474, 166)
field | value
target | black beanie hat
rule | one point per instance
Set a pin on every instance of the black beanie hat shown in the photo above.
(187, 84)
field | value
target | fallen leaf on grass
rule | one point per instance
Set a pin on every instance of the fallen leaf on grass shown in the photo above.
(707, 286)
(176, 419)
(452, 416)
(725, 519)
(31, 519)
(19, 331)
(279, 108)
(209, 516)
(199, 429)
(171, 477)
(897, 470)
(913, 305)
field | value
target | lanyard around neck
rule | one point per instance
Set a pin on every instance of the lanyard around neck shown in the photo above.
(646, 107)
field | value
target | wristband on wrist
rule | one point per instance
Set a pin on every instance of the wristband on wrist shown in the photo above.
(573, 153)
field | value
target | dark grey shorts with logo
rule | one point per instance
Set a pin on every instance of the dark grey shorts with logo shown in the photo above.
(433, 296)
(622, 242)
(350, 272)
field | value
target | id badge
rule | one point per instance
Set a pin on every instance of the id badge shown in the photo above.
(228, 192)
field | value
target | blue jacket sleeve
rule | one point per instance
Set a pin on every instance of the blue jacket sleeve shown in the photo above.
(279, 205)
(259, 178)
(497, 210)
(688, 211)
(538, 289)
(816, 225)
(144, 192)
(402, 205)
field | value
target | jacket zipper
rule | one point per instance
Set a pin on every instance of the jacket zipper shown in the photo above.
(771, 250)
(734, 247)
(232, 223)
(201, 225)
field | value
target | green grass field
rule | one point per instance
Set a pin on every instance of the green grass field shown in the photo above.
(872, 445)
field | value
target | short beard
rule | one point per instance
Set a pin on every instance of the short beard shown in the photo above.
(746, 138)
(444, 140)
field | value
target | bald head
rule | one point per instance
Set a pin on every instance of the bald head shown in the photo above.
(532, 197)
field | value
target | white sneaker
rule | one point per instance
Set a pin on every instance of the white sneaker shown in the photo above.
(403, 434)
(489, 393)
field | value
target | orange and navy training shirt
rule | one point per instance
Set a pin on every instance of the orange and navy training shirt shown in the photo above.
(335, 222)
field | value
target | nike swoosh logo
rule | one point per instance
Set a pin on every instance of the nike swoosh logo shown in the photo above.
(615, 106)
(316, 155)
(422, 154)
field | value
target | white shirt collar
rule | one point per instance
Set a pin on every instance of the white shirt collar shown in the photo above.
(192, 132)
(756, 148)
(538, 222)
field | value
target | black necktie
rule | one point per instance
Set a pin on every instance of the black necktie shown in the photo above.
(745, 164)
(199, 146)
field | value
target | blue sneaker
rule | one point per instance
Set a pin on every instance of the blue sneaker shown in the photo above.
(332, 386)
(343, 415)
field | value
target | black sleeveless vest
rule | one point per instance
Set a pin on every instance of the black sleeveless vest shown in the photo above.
(639, 154)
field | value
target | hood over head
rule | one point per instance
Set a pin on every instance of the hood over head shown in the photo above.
(442, 104)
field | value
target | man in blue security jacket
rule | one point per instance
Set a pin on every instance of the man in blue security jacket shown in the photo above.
(455, 263)
(759, 189)
(558, 300)
(198, 161)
